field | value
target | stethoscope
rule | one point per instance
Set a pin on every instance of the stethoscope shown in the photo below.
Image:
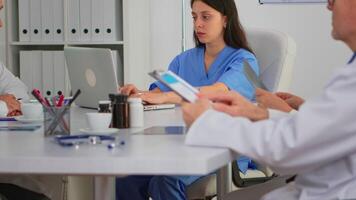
(77, 140)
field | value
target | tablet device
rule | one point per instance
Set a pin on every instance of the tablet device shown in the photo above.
(176, 84)
(252, 77)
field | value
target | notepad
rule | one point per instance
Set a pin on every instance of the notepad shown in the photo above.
(16, 127)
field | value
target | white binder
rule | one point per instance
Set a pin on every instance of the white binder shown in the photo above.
(58, 20)
(35, 19)
(47, 72)
(24, 20)
(85, 20)
(97, 20)
(59, 72)
(110, 20)
(25, 69)
(47, 16)
(73, 20)
(36, 66)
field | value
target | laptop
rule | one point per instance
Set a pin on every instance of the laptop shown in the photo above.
(93, 71)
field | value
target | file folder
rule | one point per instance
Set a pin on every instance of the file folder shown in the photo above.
(111, 20)
(73, 20)
(58, 20)
(36, 66)
(85, 20)
(35, 19)
(25, 69)
(47, 72)
(47, 24)
(24, 20)
(59, 72)
(97, 20)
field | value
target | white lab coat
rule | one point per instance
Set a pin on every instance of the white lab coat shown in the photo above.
(318, 143)
(9, 84)
(48, 185)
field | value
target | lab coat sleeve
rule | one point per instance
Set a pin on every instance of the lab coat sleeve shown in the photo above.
(323, 131)
(9, 84)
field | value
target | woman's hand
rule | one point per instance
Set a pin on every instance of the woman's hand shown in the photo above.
(128, 89)
(192, 111)
(271, 100)
(232, 103)
(292, 100)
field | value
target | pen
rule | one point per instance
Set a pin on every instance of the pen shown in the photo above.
(60, 101)
(7, 119)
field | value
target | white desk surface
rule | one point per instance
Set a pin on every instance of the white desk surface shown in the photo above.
(31, 153)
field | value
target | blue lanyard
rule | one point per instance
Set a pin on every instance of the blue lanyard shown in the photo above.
(352, 58)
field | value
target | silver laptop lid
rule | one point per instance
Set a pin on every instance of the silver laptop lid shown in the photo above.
(92, 71)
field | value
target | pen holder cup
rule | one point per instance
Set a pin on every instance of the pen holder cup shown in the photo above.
(56, 121)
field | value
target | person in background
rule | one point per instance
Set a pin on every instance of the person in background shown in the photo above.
(215, 64)
(11, 89)
(24, 187)
(317, 142)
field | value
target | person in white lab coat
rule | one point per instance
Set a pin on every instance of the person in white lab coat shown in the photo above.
(11, 90)
(317, 142)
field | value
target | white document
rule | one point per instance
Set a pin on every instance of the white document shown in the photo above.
(36, 66)
(26, 69)
(111, 20)
(97, 20)
(85, 20)
(73, 20)
(58, 20)
(24, 20)
(35, 19)
(47, 19)
(47, 72)
(59, 72)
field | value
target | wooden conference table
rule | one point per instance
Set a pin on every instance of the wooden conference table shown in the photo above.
(32, 153)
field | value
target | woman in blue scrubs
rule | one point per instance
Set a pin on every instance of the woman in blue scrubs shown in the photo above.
(215, 64)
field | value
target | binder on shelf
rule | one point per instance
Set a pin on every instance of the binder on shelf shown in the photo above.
(59, 72)
(58, 20)
(36, 66)
(24, 20)
(97, 11)
(25, 69)
(47, 72)
(73, 20)
(35, 20)
(47, 16)
(85, 20)
(111, 19)
(68, 87)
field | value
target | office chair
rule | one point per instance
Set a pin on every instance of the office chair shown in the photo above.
(275, 52)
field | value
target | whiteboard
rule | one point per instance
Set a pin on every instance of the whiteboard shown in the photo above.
(292, 1)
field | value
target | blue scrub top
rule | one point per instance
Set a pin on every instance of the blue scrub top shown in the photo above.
(227, 68)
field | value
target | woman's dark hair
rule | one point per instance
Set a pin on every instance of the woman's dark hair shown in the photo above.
(234, 34)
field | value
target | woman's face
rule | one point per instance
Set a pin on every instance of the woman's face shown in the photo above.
(209, 23)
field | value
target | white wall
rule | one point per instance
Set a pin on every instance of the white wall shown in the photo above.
(310, 25)
(317, 54)
(166, 33)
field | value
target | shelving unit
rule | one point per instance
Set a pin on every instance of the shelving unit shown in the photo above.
(133, 45)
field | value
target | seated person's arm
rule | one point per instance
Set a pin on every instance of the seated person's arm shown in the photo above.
(156, 96)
